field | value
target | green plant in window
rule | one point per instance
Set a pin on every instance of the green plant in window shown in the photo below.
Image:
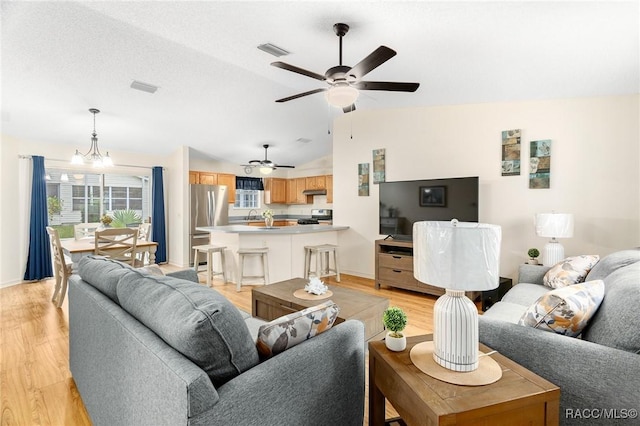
(121, 218)
(54, 205)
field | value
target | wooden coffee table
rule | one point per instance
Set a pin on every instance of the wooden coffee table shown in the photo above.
(519, 397)
(275, 300)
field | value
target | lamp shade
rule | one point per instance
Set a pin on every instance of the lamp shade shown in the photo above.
(342, 95)
(457, 255)
(554, 225)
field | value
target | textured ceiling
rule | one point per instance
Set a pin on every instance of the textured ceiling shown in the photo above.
(217, 90)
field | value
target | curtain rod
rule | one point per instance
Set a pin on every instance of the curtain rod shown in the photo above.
(29, 157)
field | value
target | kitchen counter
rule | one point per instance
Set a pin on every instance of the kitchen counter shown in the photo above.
(286, 247)
(246, 229)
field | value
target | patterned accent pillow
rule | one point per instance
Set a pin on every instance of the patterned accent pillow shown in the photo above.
(570, 271)
(286, 332)
(565, 310)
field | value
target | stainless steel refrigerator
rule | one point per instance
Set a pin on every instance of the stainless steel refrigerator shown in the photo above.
(209, 206)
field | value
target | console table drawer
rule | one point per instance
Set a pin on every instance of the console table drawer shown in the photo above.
(396, 261)
(397, 275)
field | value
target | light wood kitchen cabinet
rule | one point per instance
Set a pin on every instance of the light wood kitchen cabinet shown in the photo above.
(329, 182)
(230, 181)
(275, 191)
(211, 178)
(294, 188)
(316, 182)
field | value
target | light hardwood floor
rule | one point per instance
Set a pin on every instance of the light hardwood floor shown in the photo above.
(36, 387)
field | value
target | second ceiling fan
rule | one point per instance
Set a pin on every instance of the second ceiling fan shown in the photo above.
(265, 166)
(344, 81)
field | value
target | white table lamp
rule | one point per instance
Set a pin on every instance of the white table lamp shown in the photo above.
(459, 257)
(554, 225)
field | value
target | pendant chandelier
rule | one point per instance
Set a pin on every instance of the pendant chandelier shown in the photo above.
(93, 155)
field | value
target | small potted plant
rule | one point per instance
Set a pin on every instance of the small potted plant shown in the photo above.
(395, 320)
(106, 221)
(533, 254)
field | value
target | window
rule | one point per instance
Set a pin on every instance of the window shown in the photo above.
(85, 197)
(247, 199)
(86, 200)
(53, 190)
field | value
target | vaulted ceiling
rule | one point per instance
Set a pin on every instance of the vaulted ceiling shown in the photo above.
(217, 90)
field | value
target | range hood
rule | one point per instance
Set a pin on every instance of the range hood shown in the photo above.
(315, 192)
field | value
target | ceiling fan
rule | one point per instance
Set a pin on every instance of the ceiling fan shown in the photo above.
(344, 81)
(266, 166)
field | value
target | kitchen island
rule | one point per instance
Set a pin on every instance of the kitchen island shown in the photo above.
(286, 247)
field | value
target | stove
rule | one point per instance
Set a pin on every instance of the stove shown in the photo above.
(308, 221)
(316, 216)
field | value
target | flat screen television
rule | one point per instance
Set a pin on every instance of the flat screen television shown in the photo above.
(405, 202)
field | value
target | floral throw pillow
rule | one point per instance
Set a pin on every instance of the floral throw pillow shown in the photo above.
(565, 310)
(285, 332)
(571, 270)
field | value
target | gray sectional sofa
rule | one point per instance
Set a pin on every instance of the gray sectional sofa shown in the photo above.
(162, 350)
(599, 372)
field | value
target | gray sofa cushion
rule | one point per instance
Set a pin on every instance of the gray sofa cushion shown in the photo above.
(506, 311)
(525, 294)
(613, 262)
(195, 320)
(617, 322)
(103, 274)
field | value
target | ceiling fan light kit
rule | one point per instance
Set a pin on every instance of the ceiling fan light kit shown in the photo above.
(342, 95)
(266, 166)
(344, 81)
(93, 155)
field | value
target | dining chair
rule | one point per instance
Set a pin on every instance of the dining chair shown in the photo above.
(144, 230)
(118, 244)
(61, 268)
(85, 230)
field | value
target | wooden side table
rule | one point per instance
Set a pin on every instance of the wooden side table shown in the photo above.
(519, 397)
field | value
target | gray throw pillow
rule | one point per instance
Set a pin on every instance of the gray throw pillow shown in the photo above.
(103, 274)
(194, 319)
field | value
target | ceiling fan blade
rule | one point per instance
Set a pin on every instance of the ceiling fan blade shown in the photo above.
(285, 167)
(299, 95)
(376, 58)
(349, 108)
(298, 70)
(390, 86)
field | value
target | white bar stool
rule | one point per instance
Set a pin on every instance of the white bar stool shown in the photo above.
(263, 253)
(323, 264)
(210, 249)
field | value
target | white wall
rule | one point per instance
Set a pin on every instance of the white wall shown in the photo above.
(594, 170)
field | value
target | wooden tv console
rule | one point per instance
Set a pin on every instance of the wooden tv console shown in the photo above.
(394, 268)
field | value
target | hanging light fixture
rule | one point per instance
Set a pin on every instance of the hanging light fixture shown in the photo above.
(93, 155)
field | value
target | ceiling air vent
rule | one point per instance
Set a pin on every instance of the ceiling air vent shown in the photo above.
(303, 140)
(145, 87)
(272, 49)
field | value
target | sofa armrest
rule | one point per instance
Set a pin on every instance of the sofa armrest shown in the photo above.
(533, 274)
(185, 274)
(590, 376)
(320, 380)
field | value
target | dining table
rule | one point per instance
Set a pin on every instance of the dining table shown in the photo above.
(77, 249)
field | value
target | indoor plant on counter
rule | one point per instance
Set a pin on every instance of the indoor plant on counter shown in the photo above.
(395, 320)
(268, 218)
(533, 254)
